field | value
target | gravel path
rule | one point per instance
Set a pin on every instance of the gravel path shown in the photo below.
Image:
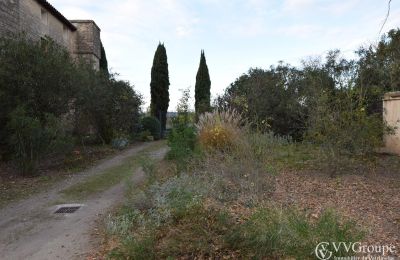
(30, 230)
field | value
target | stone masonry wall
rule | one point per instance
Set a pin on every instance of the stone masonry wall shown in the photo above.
(31, 18)
(88, 44)
(9, 17)
(38, 25)
(87, 38)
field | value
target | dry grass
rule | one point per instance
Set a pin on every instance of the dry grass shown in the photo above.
(220, 130)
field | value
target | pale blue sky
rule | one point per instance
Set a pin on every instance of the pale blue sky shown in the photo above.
(235, 34)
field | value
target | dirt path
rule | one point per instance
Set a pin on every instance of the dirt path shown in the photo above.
(30, 230)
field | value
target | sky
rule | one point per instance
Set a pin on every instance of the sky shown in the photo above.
(235, 34)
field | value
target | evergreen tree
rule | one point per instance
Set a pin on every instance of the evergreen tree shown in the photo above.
(103, 60)
(202, 88)
(159, 86)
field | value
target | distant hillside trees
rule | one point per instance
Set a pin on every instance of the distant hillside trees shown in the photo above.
(159, 86)
(202, 87)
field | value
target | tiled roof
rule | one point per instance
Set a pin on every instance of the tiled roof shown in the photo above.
(57, 14)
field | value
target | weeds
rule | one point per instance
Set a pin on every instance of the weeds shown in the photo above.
(182, 142)
(213, 207)
(135, 249)
(148, 166)
(272, 232)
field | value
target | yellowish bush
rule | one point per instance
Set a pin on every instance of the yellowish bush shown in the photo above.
(220, 130)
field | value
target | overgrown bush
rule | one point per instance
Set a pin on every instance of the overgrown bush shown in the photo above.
(344, 132)
(45, 80)
(342, 125)
(108, 105)
(40, 78)
(32, 138)
(182, 142)
(152, 125)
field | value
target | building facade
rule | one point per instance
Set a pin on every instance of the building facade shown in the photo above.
(39, 20)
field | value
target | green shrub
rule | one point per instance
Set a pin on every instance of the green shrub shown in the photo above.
(276, 233)
(32, 138)
(40, 79)
(144, 135)
(152, 125)
(342, 124)
(46, 80)
(344, 132)
(182, 142)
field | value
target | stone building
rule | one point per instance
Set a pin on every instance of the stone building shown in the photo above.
(39, 20)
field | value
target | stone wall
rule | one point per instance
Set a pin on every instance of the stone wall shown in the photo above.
(87, 38)
(391, 114)
(38, 23)
(87, 41)
(9, 17)
(32, 18)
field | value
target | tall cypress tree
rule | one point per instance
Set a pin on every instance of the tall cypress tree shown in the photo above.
(202, 88)
(103, 60)
(159, 86)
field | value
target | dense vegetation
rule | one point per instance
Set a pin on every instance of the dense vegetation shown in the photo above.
(159, 86)
(330, 98)
(153, 126)
(49, 102)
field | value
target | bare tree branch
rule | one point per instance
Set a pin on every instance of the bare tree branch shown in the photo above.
(386, 18)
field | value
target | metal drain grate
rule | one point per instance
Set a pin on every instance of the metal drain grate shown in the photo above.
(67, 210)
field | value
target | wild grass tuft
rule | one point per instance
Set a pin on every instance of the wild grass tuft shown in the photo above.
(220, 130)
(277, 233)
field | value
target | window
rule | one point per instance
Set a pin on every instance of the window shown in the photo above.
(44, 16)
(65, 33)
